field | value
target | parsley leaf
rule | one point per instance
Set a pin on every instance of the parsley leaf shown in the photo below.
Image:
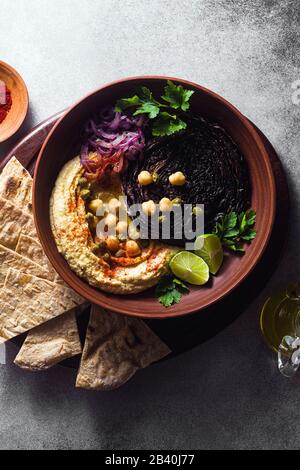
(236, 229)
(250, 235)
(147, 95)
(175, 99)
(148, 108)
(177, 96)
(170, 298)
(167, 124)
(164, 285)
(145, 102)
(181, 285)
(169, 290)
(125, 103)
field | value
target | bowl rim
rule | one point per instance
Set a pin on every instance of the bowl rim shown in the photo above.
(24, 112)
(123, 310)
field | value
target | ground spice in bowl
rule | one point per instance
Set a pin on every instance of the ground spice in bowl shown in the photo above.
(5, 102)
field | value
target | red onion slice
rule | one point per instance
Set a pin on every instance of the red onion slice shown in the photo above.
(109, 141)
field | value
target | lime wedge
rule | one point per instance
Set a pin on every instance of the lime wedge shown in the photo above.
(190, 268)
(209, 248)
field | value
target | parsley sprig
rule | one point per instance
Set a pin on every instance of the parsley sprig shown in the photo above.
(165, 114)
(236, 229)
(169, 290)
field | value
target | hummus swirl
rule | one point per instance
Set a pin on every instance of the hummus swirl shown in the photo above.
(74, 242)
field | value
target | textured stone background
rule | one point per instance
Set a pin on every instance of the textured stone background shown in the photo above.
(226, 393)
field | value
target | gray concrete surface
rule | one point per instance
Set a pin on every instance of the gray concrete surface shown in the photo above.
(226, 393)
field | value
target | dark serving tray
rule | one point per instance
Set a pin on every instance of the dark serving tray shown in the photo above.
(182, 334)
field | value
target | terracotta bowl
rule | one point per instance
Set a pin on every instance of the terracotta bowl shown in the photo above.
(63, 144)
(18, 111)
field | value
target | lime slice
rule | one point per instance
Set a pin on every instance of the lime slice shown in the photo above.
(209, 248)
(190, 268)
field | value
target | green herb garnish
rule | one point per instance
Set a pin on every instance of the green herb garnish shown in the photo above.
(236, 229)
(169, 290)
(167, 124)
(155, 177)
(177, 96)
(175, 99)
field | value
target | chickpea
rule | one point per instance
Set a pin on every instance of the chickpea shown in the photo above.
(165, 204)
(95, 205)
(122, 227)
(114, 205)
(149, 207)
(113, 244)
(145, 178)
(111, 220)
(177, 179)
(132, 249)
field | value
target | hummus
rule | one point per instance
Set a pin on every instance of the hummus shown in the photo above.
(75, 241)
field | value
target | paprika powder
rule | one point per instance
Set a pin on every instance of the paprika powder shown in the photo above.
(5, 102)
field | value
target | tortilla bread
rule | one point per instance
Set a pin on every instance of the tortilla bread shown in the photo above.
(11, 259)
(13, 222)
(18, 233)
(16, 185)
(28, 301)
(17, 230)
(32, 249)
(116, 347)
(50, 343)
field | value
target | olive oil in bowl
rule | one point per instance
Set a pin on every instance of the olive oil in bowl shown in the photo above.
(280, 316)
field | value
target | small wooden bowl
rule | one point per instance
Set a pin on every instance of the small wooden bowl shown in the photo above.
(20, 101)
